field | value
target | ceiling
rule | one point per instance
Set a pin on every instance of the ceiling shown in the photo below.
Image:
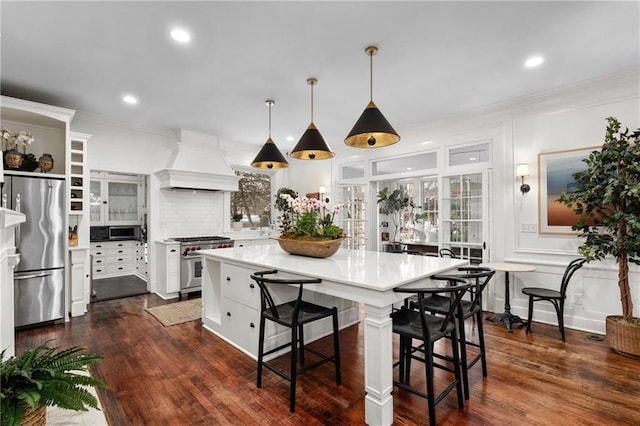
(434, 59)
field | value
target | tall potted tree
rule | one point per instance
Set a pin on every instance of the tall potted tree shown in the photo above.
(391, 204)
(607, 199)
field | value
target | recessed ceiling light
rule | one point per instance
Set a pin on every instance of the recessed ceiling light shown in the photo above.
(472, 158)
(409, 168)
(180, 35)
(289, 138)
(534, 61)
(130, 99)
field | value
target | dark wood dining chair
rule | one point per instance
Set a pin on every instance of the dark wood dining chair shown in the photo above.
(419, 324)
(555, 297)
(294, 315)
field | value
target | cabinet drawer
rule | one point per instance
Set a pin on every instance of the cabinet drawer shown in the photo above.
(114, 269)
(241, 322)
(238, 285)
(121, 251)
(122, 244)
(119, 260)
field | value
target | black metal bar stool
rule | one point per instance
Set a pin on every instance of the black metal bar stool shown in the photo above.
(294, 315)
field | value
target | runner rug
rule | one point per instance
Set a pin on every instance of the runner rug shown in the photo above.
(177, 313)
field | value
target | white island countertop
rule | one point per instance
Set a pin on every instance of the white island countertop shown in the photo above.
(368, 269)
(366, 277)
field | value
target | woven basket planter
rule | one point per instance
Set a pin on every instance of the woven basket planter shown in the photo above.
(623, 338)
(309, 248)
(37, 417)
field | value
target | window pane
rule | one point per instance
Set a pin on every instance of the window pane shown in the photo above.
(399, 165)
(253, 200)
(469, 154)
(353, 171)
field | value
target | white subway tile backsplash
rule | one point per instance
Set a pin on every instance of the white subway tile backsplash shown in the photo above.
(189, 213)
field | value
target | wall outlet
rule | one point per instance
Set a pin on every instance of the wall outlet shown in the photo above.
(528, 227)
(577, 299)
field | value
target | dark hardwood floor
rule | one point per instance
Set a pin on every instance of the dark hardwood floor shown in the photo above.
(184, 375)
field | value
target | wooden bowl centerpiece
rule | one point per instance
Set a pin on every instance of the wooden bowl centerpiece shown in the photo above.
(310, 247)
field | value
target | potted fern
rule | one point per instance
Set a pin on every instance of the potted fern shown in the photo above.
(608, 195)
(42, 376)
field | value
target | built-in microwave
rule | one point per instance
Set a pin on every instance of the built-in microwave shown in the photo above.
(124, 232)
(99, 233)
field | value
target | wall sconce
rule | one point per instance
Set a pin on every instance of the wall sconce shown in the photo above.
(322, 191)
(522, 170)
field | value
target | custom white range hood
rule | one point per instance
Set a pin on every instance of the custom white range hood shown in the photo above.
(198, 163)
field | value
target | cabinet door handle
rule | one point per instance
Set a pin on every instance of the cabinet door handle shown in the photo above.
(228, 314)
(120, 269)
(252, 286)
(228, 278)
(252, 325)
(173, 250)
(120, 245)
(121, 259)
(98, 261)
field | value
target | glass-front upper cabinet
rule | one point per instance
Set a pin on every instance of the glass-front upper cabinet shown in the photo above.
(115, 199)
(352, 216)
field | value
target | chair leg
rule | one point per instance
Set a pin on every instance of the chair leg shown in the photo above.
(402, 357)
(456, 367)
(260, 351)
(530, 315)
(428, 348)
(301, 345)
(560, 312)
(463, 357)
(483, 356)
(294, 368)
(336, 347)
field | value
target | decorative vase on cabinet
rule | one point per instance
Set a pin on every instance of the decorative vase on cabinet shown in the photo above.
(12, 159)
(45, 163)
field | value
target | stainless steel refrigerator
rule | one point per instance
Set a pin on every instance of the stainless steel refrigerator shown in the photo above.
(39, 277)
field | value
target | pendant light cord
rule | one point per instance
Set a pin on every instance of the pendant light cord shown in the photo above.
(371, 76)
(311, 102)
(270, 104)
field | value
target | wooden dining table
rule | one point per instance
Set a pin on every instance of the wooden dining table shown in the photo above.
(507, 317)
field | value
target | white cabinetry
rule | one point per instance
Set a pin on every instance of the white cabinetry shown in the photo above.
(168, 269)
(232, 308)
(141, 260)
(255, 242)
(116, 199)
(79, 274)
(113, 258)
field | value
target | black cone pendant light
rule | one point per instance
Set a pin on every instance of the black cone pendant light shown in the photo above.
(269, 156)
(372, 130)
(311, 145)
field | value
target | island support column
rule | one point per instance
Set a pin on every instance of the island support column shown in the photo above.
(378, 365)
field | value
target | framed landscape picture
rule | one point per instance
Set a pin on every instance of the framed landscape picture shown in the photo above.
(555, 176)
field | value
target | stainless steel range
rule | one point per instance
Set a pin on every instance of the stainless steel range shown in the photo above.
(191, 260)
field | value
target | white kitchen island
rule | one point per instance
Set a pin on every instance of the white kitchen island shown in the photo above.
(358, 276)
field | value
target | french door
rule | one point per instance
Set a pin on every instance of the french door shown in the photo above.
(465, 215)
